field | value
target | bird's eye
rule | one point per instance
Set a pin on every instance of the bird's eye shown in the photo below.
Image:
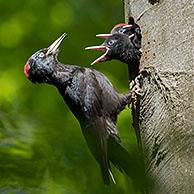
(121, 30)
(41, 55)
(111, 42)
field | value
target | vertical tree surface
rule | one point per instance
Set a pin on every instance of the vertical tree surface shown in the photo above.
(166, 110)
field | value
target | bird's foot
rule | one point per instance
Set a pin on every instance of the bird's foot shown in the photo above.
(137, 86)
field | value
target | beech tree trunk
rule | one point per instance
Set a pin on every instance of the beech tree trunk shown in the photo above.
(165, 113)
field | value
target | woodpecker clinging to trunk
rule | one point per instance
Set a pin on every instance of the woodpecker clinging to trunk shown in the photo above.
(92, 99)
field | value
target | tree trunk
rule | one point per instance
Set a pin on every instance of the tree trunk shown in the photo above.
(166, 110)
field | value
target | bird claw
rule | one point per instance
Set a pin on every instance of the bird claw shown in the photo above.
(137, 84)
(137, 90)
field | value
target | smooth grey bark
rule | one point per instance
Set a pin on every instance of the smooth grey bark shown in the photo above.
(166, 111)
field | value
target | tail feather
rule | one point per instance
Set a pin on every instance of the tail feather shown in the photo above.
(126, 162)
(107, 175)
(112, 177)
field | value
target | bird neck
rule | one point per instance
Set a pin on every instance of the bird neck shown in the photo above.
(62, 74)
(131, 57)
(129, 54)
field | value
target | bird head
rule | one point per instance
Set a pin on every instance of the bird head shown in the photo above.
(128, 29)
(114, 47)
(119, 28)
(40, 65)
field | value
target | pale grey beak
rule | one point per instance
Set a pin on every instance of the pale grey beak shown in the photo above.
(127, 26)
(102, 48)
(55, 45)
(104, 35)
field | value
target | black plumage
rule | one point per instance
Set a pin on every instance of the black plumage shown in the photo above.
(120, 47)
(124, 44)
(92, 99)
(129, 29)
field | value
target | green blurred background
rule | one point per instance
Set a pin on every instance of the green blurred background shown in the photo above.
(41, 146)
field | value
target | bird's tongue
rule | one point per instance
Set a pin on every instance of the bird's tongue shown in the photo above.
(103, 57)
(26, 69)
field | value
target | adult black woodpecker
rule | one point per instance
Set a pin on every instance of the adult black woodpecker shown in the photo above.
(129, 29)
(92, 99)
(120, 47)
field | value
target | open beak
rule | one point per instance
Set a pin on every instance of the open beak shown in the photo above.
(121, 25)
(102, 48)
(104, 36)
(55, 45)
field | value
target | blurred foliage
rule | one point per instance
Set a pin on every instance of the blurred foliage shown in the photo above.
(41, 146)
